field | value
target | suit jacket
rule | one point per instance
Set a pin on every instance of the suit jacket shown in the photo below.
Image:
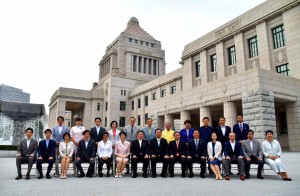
(130, 137)
(45, 152)
(241, 135)
(112, 138)
(160, 150)
(97, 137)
(139, 151)
(89, 152)
(173, 150)
(222, 138)
(184, 137)
(147, 136)
(55, 133)
(257, 150)
(24, 151)
(192, 150)
(238, 150)
(218, 150)
(205, 133)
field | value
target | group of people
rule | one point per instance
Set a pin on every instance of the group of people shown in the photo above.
(151, 145)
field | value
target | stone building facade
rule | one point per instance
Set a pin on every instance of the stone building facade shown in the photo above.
(250, 65)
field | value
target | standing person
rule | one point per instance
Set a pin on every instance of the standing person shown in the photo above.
(253, 154)
(272, 152)
(113, 134)
(122, 152)
(177, 154)
(214, 151)
(58, 131)
(97, 131)
(149, 130)
(131, 130)
(205, 134)
(104, 151)
(66, 150)
(222, 132)
(187, 132)
(46, 154)
(26, 153)
(241, 129)
(168, 133)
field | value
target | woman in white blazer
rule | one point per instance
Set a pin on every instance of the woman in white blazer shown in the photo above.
(114, 133)
(214, 150)
(66, 150)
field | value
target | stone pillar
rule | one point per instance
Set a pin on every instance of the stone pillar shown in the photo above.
(293, 125)
(205, 112)
(142, 113)
(259, 111)
(184, 115)
(220, 60)
(169, 118)
(142, 65)
(240, 53)
(159, 122)
(204, 67)
(230, 113)
(263, 45)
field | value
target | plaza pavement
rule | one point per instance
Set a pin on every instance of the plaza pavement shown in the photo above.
(271, 185)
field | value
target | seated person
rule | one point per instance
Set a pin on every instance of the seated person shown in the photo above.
(46, 154)
(196, 153)
(86, 153)
(177, 152)
(26, 153)
(122, 152)
(253, 154)
(233, 153)
(214, 151)
(272, 152)
(104, 154)
(140, 153)
(66, 150)
(159, 153)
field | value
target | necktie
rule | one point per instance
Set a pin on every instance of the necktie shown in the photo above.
(177, 145)
(241, 127)
(47, 143)
(28, 143)
(158, 142)
(131, 130)
(196, 144)
(149, 131)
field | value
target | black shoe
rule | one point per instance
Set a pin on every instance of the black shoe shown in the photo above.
(163, 175)
(211, 172)
(259, 176)
(40, 176)
(247, 176)
(171, 175)
(108, 175)
(191, 175)
(154, 175)
(127, 171)
(202, 176)
(238, 173)
(27, 177)
(287, 179)
(81, 175)
(134, 175)
(48, 176)
(182, 175)
(100, 174)
(230, 173)
(18, 177)
(145, 175)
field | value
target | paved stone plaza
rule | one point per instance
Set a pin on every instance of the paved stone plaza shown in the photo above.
(271, 185)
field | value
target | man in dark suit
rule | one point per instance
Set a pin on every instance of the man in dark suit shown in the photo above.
(222, 132)
(159, 153)
(241, 129)
(46, 154)
(97, 131)
(177, 153)
(196, 153)
(26, 153)
(233, 153)
(86, 153)
(140, 153)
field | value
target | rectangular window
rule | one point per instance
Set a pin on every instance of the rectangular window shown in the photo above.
(121, 92)
(139, 103)
(145, 65)
(198, 69)
(152, 45)
(132, 105)
(147, 43)
(142, 42)
(231, 55)
(130, 39)
(213, 63)
(283, 69)
(98, 107)
(124, 92)
(278, 37)
(140, 64)
(106, 106)
(253, 49)
(123, 105)
(122, 121)
(163, 93)
(134, 63)
(150, 66)
(105, 121)
(146, 100)
(136, 41)
(154, 67)
(146, 118)
(139, 120)
(173, 89)
(154, 96)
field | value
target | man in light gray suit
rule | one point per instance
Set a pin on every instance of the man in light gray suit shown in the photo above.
(149, 130)
(57, 135)
(253, 154)
(27, 149)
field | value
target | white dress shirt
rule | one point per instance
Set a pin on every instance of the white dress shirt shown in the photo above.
(223, 128)
(105, 149)
(140, 142)
(28, 143)
(60, 129)
(232, 145)
(251, 144)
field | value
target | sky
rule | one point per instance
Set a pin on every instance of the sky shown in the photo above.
(47, 44)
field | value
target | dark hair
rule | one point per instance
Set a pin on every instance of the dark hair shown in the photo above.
(251, 131)
(98, 118)
(64, 135)
(78, 119)
(105, 133)
(29, 128)
(158, 129)
(240, 115)
(132, 117)
(60, 117)
(113, 122)
(176, 132)
(123, 133)
(205, 118)
(187, 121)
(48, 130)
(223, 117)
(197, 130)
(139, 131)
(86, 131)
(149, 119)
(269, 131)
(212, 134)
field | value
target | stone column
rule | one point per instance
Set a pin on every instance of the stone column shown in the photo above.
(204, 67)
(293, 125)
(259, 111)
(142, 65)
(169, 118)
(240, 53)
(230, 113)
(184, 115)
(263, 45)
(205, 112)
(220, 60)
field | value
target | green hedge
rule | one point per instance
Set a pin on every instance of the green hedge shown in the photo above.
(8, 147)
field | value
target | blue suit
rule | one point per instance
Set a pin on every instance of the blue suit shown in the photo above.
(241, 135)
(147, 136)
(55, 133)
(184, 137)
(233, 154)
(46, 152)
(205, 133)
